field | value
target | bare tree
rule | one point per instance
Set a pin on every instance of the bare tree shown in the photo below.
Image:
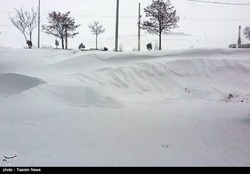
(25, 22)
(62, 26)
(247, 32)
(162, 18)
(96, 28)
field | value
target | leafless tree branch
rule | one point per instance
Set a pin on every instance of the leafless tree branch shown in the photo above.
(25, 22)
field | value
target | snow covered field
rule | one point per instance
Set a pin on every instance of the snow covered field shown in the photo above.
(170, 108)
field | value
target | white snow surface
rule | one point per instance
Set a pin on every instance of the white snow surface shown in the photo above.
(160, 108)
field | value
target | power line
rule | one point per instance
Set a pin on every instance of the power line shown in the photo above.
(135, 17)
(212, 19)
(216, 2)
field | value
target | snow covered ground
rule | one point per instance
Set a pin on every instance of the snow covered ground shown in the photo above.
(171, 108)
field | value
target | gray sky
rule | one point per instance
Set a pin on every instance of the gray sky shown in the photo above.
(218, 22)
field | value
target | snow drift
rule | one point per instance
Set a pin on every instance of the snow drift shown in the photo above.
(97, 79)
(137, 108)
(12, 84)
(177, 76)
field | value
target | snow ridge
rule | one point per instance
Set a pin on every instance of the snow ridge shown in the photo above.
(12, 84)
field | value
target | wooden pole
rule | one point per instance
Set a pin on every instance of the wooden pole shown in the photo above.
(39, 21)
(239, 38)
(117, 25)
(66, 37)
(139, 28)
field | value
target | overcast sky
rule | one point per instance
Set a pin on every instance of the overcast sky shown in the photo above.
(198, 19)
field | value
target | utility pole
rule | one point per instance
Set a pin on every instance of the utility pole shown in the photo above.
(239, 38)
(117, 25)
(39, 5)
(139, 28)
(66, 36)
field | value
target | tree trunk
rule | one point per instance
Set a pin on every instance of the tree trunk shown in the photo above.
(30, 42)
(96, 41)
(25, 37)
(160, 41)
(62, 39)
(30, 37)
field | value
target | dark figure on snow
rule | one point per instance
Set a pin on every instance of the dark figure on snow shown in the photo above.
(149, 46)
(81, 46)
(29, 43)
(56, 43)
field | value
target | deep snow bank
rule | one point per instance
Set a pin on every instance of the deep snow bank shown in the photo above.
(11, 84)
(169, 107)
(210, 74)
(108, 79)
